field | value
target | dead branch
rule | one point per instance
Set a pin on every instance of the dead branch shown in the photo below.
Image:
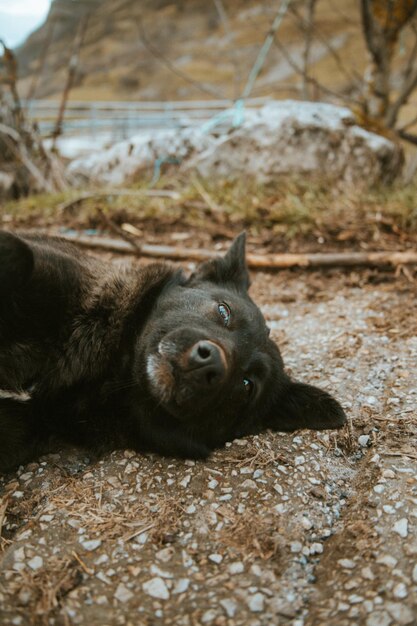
(255, 261)
(352, 76)
(42, 59)
(72, 70)
(203, 87)
(310, 79)
(234, 54)
(382, 23)
(308, 40)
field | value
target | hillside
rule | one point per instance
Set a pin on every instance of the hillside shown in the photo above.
(156, 49)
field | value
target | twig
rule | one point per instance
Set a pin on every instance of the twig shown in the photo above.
(310, 79)
(42, 59)
(151, 193)
(203, 87)
(256, 261)
(120, 231)
(72, 70)
(3, 508)
(88, 570)
(206, 196)
(234, 54)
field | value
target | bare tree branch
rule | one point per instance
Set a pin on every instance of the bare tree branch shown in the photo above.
(339, 96)
(42, 59)
(237, 74)
(352, 76)
(203, 87)
(309, 25)
(72, 70)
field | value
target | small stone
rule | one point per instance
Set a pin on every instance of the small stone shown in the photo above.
(229, 606)
(401, 527)
(415, 573)
(157, 571)
(123, 594)
(355, 599)
(249, 484)
(316, 548)
(306, 523)
(296, 546)
(236, 568)
(364, 440)
(400, 613)
(156, 588)
(367, 573)
(347, 563)
(185, 481)
(388, 560)
(387, 473)
(216, 558)
(256, 603)
(209, 616)
(36, 562)
(378, 618)
(379, 488)
(165, 554)
(90, 544)
(213, 484)
(19, 554)
(400, 591)
(181, 585)
(299, 460)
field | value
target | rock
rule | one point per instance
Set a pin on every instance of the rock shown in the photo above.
(378, 618)
(347, 563)
(400, 591)
(283, 137)
(256, 602)
(401, 527)
(181, 585)
(90, 544)
(236, 568)
(229, 606)
(216, 558)
(400, 613)
(156, 588)
(123, 594)
(36, 562)
(364, 440)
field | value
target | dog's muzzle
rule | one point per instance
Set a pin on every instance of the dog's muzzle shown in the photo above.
(206, 362)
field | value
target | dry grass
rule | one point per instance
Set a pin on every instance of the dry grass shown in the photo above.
(46, 588)
(288, 209)
(252, 535)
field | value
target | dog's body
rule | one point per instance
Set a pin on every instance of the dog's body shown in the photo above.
(141, 358)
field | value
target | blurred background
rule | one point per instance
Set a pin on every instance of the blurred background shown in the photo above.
(261, 113)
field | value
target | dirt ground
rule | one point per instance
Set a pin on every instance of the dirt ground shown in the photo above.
(305, 529)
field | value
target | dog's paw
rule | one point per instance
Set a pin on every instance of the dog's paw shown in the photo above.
(16, 262)
(304, 406)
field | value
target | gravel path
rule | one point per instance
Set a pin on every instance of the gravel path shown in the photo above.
(303, 529)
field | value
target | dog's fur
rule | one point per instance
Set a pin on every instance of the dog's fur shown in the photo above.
(141, 358)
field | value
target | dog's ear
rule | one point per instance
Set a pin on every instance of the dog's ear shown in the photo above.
(303, 406)
(231, 269)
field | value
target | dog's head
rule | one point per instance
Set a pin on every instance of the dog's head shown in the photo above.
(210, 360)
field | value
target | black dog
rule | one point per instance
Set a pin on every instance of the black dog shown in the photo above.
(142, 358)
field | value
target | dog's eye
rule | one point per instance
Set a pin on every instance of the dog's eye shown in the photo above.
(248, 384)
(225, 312)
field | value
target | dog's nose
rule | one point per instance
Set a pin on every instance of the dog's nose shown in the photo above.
(207, 361)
